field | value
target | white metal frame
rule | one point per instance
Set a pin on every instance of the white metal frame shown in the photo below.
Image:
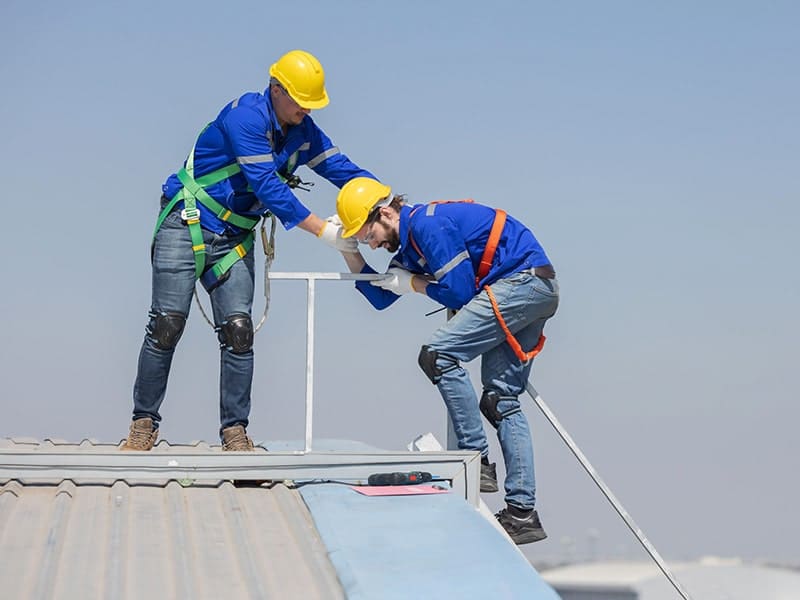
(311, 278)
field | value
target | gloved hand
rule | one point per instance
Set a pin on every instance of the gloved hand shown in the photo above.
(331, 234)
(399, 282)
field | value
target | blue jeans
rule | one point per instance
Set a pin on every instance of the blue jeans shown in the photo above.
(526, 302)
(173, 287)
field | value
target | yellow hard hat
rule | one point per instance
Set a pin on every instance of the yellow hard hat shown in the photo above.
(355, 201)
(301, 74)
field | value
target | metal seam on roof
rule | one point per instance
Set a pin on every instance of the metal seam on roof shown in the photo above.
(51, 553)
(180, 533)
(242, 548)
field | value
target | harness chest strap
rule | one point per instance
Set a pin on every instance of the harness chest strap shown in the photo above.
(491, 245)
(192, 192)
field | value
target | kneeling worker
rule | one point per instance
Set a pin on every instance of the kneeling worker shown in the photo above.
(490, 268)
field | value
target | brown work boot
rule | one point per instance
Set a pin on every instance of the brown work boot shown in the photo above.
(235, 438)
(142, 436)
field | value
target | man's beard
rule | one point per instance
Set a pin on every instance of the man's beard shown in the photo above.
(392, 242)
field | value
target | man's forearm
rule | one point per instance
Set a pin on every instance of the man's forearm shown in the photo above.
(312, 224)
(355, 262)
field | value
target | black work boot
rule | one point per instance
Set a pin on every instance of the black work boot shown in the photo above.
(523, 526)
(488, 475)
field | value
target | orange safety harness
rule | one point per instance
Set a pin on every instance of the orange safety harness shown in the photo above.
(483, 270)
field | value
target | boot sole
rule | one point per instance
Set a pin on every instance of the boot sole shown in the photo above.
(529, 537)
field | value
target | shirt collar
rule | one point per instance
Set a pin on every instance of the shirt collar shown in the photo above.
(272, 116)
(405, 224)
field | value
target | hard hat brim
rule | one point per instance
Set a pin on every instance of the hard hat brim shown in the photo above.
(312, 104)
(346, 233)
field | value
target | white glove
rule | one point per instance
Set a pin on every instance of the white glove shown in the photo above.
(399, 282)
(331, 234)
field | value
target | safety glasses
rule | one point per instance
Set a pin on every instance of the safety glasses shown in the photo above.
(372, 218)
(369, 237)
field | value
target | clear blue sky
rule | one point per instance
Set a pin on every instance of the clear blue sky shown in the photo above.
(652, 147)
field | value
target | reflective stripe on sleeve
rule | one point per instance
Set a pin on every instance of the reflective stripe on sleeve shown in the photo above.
(452, 264)
(323, 156)
(255, 159)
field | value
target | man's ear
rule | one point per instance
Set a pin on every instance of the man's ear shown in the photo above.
(388, 213)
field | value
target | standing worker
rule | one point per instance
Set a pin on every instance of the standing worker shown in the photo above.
(240, 169)
(490, 268)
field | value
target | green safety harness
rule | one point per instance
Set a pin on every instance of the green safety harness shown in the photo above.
(193, 193)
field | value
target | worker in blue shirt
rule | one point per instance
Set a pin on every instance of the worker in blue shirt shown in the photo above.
(491, 270)
(241, 168)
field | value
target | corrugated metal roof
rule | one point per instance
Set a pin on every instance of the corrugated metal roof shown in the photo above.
(128, 539)
(189, 521)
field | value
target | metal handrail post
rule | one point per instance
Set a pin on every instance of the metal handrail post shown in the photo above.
(309, 361)
(452, 438)
(311, 278)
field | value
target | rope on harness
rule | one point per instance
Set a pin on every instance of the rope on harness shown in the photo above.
(268, 244)
(510, 339)
(483, 270)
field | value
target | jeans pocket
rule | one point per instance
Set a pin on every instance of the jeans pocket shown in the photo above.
(546, 287)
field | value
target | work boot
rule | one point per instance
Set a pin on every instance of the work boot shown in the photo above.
(523, 526)
(488, 475)
(235, 438)
(142, 435)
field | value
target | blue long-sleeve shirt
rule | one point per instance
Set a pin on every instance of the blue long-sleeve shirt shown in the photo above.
(452, 237)
(247, 132)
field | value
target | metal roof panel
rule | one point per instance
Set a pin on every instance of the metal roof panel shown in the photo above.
(129, 539)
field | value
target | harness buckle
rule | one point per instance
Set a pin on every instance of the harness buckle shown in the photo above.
(294, 182)
(190, 215)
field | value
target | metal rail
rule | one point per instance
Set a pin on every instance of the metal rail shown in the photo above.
(606, 490)
(311, 277)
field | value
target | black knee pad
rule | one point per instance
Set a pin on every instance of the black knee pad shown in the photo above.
(166, 328)
(427, 362)
(488, 406)
(236, 333)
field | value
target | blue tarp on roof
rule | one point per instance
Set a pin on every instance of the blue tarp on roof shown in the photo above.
(423, 546)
